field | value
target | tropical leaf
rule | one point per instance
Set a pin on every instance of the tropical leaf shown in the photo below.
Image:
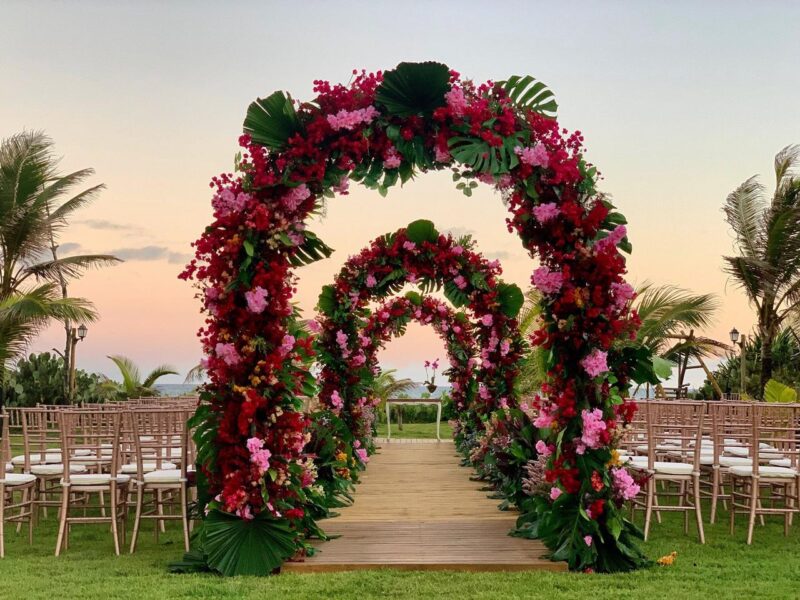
(271, 121)
(311, 250)
(511, 299)
(775, 391)
(422, 231)
(479, 156)
(413, 88)
(529, 94)
(327, 300)
(236, 546)
(456, 296)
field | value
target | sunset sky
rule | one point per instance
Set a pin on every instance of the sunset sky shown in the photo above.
(679, 102)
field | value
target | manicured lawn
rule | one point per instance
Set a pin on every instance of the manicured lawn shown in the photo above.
(417, 430)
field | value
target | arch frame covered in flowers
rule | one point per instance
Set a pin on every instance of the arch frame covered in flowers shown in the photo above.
(418, 254)
(379, 130)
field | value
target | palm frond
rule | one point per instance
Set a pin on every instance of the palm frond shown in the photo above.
(157, 373)
(744, 212)
(131, 378)
(196, 374)
(69, 267)
(786, 162)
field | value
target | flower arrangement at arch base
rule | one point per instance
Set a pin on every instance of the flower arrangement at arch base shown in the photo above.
(380, 130)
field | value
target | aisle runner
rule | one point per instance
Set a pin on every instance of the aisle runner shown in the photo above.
(416, 508)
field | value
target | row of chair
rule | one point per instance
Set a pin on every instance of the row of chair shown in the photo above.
(70, 457)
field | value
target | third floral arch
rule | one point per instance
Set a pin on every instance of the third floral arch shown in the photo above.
(268, 470)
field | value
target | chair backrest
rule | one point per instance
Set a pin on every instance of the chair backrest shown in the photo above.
(41, 435)
(775, 433)
(5, 442)
(160, 436)
(675, 428)
(90, 438)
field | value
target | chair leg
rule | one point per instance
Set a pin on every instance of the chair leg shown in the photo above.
(185, 517)
(138, 518)
(114, 529)
(2, 520)
(62, 521)
(754, 503)
(160, 503)
(648, 513)
(714, 494)
(698, 509)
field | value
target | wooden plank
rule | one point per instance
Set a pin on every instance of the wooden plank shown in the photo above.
(417, 509)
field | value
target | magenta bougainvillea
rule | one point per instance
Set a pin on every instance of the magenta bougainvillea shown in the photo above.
(379, 130)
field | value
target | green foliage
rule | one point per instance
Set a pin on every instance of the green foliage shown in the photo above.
(529, 94)
(413, 88)
(478, 155)
(133, 385)
(327, 300)
(236, 546)
(775, 391)
(422, 231)
(511, 299)
(271, 121)
(311, 250)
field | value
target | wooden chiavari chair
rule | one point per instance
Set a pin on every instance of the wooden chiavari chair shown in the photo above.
(11, 510)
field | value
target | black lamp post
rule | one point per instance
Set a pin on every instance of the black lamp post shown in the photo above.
(739, 340)
(76, 335)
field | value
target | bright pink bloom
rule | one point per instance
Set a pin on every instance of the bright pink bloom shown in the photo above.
(226, 202)
(555, 493)
(336, 400)
(409, 245)
(535, 157)
(546, 212)
(625, 488)
(460, 282)
(256, 300)
(543, 449)
(622, 293)
(547, 281)
(254, 444)
(611, 240)
(228, 353)
(487, 320)
(392, 160)
(595, 363)
(314, 326)
(260, 458)
(587, 539)
(371, 281)
(593, 427)
(287, 344)
(349, 119)
(295, 196)
(456, 101)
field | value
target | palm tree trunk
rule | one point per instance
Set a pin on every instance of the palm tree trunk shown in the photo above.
(767, 339)
(67, 325)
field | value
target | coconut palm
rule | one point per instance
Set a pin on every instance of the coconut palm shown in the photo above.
(33, 212)
(132, 383)
(767, 241)
(386, 385)
(532, 367)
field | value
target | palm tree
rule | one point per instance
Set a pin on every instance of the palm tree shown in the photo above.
(767, 240)
(386, 385)
(32, 214)
(667, 312)
(132, 383)
(532, 367)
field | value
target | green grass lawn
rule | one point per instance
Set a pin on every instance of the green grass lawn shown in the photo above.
(724, 567)
(417, 430)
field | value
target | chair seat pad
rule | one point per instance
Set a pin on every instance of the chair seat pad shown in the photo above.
(740, 451)
(95, 479)
(763, 471)
(12, 479)
(9, 468)
(734, 461)
(666, 468)
(644, 448)
(36, 458)
(786, 463)
(147, 467)
(56, 469)
(163, 476)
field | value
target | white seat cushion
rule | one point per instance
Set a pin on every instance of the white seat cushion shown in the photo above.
(734, 461)
(95, 479)
(740, 451)
(731, 442)
(786, 463)
(666, 468)
(36, 458)
(147, 467)
(705, 459)
(644, 448)
(163, 476)
(9, 468)
(12, 479)
(56, 469)
(763, 471)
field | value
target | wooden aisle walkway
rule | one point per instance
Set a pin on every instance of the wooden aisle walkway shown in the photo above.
(416, 508)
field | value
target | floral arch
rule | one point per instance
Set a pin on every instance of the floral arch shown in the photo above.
(379, 130)
(418, 254)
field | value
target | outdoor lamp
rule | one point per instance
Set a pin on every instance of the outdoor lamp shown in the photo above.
(734, 335)
(82, 332)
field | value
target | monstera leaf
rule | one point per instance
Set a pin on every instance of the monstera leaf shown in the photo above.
(271, 121)
(235, 546)
(422, 231)
(511, 299)
(529, 94)
(327, 300)
(413, 88)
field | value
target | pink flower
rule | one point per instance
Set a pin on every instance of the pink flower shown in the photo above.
(314, 326)
(361, 453)
(341, 339)
(483, 391)
(287, 344)
(535, 157)
(295, 196)
(458, 250)
(254, 444)
(245, 513)
(460, 282)
(456, 101)
(349, 119)
(226, 202)
(342, 186)
(543, 449)
(545, 418)
(260, 458)
(546, 212)
(621, 293)
(593, 427)
(487, 320)
(611, 240)
(256, 300)
(595, 363)
(371, 281)
(442, 155)
(555, 493)
(392, 160)
(409, 245)
(587, 539)
(336, 400)
(625, 488)
(505, 346)
(547, 281)
(228, 353)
